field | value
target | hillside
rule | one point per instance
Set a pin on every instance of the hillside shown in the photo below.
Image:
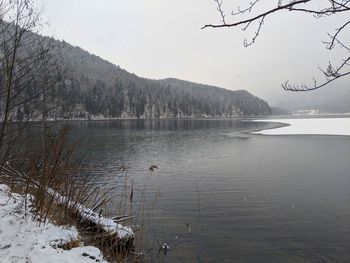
(335, 99)
(89, 87)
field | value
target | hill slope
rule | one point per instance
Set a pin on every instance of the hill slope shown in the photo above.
(334, 99)
(89, 87)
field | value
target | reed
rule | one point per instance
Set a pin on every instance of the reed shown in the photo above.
(59, 188)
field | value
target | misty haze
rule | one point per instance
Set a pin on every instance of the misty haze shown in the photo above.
(174, 131)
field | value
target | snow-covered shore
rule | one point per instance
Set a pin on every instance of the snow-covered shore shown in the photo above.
(309, 126)
(25, 240)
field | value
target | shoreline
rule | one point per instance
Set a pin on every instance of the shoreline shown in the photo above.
(144, 119)
(252, 117)
(27, 239)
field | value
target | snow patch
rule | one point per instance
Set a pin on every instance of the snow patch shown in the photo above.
(25, 240)
(310, 126)
(106, 224)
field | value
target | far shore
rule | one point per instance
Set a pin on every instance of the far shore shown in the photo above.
(259, 117)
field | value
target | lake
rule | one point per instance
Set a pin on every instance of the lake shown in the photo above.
(224, 195)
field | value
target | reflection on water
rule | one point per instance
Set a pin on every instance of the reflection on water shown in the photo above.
(246, 198)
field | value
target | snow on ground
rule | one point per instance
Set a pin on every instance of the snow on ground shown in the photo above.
(319, 126)
(106, 224)
(24, 240)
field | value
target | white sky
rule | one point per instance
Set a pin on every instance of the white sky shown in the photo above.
(163, 38)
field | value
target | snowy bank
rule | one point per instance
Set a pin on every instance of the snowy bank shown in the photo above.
(95, 220)
(120, 234)
(310, 126)
(25, 240)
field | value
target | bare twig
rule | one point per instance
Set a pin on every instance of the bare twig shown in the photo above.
(325, 9)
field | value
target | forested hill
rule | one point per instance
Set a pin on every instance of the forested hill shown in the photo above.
(98, 88)
(89, 87)
(218, 101)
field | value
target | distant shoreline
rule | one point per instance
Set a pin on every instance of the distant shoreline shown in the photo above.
(258, 117)
(153, 119)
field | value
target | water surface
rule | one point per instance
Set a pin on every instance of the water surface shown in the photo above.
(247, 198)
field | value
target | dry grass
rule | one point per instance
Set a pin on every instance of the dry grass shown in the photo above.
(54, 166)
(70, 244)
(53, 171)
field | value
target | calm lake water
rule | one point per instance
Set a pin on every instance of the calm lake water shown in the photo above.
(246, 198)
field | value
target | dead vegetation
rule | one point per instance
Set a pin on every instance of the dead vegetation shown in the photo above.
(62, 192)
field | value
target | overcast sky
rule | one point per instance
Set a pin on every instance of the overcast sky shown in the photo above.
(163, 38)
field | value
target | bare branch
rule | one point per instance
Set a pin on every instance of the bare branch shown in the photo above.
(245, 10)
(255, 18)
(330, 45)
(331, 73)
(219, 8)
(303, 87)
(247, 43)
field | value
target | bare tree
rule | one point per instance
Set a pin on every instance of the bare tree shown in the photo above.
(26, 70)
(250, 16)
